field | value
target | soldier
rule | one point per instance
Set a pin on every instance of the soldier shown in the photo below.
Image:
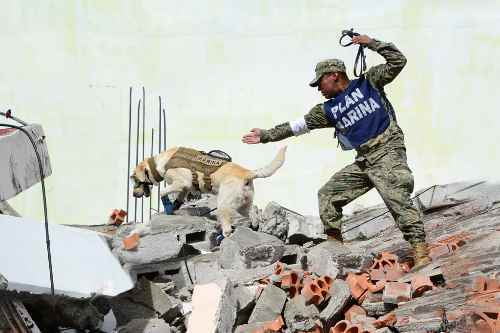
(363, 119)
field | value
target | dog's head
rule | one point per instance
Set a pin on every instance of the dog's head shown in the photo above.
(142, 180)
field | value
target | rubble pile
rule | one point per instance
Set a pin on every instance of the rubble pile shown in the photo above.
(278, 272)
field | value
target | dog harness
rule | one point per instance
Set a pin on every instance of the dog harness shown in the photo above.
(194, 160)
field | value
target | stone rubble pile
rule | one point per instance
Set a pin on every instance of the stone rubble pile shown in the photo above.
(278, 272)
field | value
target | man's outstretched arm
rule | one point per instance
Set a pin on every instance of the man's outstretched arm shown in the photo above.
(383, 74)
(313, 120)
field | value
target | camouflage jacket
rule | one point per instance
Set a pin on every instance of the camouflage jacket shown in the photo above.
(378, 76)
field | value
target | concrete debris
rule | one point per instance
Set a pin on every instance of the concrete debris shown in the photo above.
(19, 165)
(275, 221)
(300, 317)
(214, 309)
(269, 305)
(246, 248)
(199, 204)
(78, 269)
(286, 278)
(146, 300)
(340, 298)
(367, 223)
(290, 226)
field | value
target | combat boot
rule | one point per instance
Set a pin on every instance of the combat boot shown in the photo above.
(334, 234)
(421, 255)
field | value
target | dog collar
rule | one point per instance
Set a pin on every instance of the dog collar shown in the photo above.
(152, 167)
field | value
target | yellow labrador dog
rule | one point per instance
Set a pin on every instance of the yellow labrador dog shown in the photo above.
(186, 169)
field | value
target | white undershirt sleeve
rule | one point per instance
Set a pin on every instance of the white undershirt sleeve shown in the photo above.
(299, 126)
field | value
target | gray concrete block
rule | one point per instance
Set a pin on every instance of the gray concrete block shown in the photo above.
(187, 229)
(302, 229)
(19, 168)
(246, 248)
(340, 297)
(320, 260)
(275, 221)
(269, 305)
(151, 249)
(300, 317)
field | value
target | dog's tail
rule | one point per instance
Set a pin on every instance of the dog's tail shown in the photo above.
(272, 167)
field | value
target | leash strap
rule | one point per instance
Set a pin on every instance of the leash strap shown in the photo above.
(360, 56)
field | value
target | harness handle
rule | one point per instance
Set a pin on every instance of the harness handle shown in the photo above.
(360, 56)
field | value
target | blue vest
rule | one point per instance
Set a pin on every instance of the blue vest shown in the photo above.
(357, 114)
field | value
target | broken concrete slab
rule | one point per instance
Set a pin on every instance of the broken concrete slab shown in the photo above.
(146, 300)
(275, 221)
(205, 268)
(187, 229)
(19, 168)
(302, 229)
(78, 269)
(453, 194)
(345, 259)
(340, 297)
(214, 308)
(269, 304)
(320, 259)
(246, 248)
(300, 317)
(245, 301)
(146, 326)
(367, 223)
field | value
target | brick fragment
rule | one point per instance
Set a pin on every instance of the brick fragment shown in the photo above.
(354, 311)
(117, 217)
(384, 321)
(420, 284)
(397, 292)
(131, 242)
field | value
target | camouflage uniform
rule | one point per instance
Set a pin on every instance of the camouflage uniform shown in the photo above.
(380, 162)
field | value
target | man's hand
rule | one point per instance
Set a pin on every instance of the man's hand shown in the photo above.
(253, 137)
(362, 40)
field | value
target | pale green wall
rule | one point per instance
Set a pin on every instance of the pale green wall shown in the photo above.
(227, 66)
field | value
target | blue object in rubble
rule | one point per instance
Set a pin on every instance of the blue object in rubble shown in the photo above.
(219, 238)
(167, 205)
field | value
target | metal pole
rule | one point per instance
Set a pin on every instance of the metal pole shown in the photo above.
(159, 146)
(137, 152)
(143, 137)
(129, 136)
(164, 130)
(151, 196)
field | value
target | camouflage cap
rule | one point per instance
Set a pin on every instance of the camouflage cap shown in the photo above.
(327, 66)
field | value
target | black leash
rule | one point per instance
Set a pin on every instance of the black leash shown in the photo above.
(360, 56)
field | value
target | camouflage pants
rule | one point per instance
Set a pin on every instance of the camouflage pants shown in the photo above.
(392, 178)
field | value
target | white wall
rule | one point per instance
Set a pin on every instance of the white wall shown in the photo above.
(225, 67)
